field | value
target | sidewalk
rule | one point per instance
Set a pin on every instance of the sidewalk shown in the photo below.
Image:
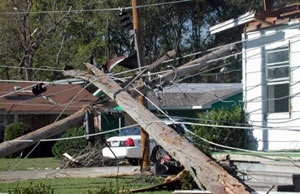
(262, 172)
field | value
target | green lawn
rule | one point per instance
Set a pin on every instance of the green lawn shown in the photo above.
(84, 185)
(28, 163)
(72, 185)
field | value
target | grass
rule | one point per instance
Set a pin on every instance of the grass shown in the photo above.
(28, 163)
(72, 185)
(83, 185)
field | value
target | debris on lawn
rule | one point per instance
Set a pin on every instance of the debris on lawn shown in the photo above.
(91, 156)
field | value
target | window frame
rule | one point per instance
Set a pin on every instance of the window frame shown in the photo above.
(274, 81)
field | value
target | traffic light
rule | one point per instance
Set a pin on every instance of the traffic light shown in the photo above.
(125, 20)
(38, 89)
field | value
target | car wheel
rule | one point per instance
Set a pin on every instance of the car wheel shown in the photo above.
(133, 161)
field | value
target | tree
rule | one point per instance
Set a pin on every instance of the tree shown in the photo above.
(231, 136)
(33, 29)
(49, 35)
(45, 35)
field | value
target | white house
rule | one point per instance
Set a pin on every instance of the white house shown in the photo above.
(271, 75)
(271, 85)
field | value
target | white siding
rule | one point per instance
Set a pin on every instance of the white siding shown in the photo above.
(286, 132)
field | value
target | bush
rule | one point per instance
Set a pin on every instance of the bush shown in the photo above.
(71, 146)
(15, 130)
(233, 137)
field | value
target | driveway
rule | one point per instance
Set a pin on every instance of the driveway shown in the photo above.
(69, 173)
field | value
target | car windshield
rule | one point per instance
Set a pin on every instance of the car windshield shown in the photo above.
(130, 131)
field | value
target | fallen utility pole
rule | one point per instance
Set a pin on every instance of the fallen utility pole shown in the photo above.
(22, 142)
(195, 65)
(212, 176)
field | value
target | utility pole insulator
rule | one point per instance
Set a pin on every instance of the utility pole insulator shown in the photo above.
(39, 88)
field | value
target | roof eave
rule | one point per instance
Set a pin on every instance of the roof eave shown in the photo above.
(243, 19)
(200, 107)
(223, 98)
(260, 19)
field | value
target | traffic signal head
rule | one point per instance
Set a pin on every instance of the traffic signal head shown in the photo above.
(38, 89)
(125, 20)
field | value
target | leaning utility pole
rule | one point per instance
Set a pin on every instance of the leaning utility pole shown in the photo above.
(140, 55)
(211, 175)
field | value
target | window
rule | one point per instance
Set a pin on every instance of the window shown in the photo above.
(278, 78)
(130, 131)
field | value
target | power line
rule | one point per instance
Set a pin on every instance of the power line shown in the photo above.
(160, 4)
(292, 128)
(218, 47)
(167, 61)
(239, 54)
(38, 142)
(234, 148)
(253, 100)
(148, 123)
(219, 144)
(34, 82)
(74, 97)
(26, 103)
(92, 10)
(31, 68)
(189, 55)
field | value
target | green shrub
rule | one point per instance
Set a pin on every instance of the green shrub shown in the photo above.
(33, 189)
(15, 130)
(233, 137)
(71, 146)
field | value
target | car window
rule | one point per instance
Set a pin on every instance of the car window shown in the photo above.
(130, 131)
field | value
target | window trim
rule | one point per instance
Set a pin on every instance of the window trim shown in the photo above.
(277, 81)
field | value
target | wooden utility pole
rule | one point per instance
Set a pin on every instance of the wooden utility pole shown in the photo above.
(140, 55)
(211, 175)
(196, 65)
(18, 144)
